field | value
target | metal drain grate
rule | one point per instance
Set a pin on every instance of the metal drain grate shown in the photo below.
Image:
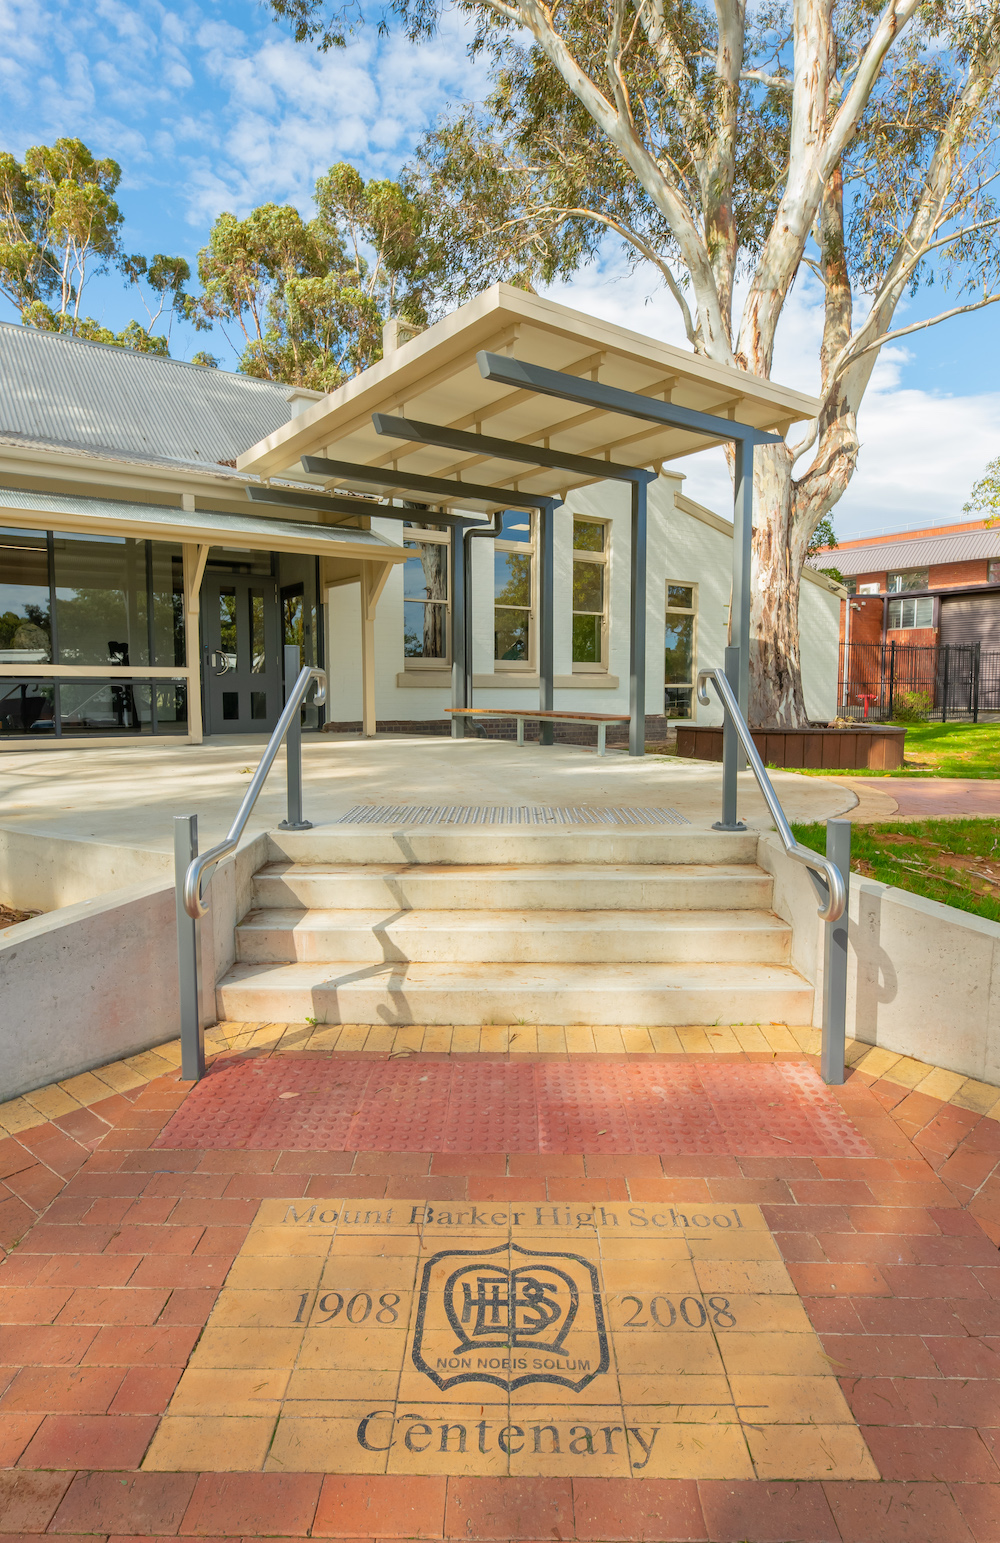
(506, 814)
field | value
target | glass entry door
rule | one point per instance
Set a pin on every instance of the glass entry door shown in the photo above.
(240, 655)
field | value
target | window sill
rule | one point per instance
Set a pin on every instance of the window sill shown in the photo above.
(433, 680)
(502, 681)
(513, 680)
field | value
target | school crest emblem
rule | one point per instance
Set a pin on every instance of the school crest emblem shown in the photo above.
(510, 1316)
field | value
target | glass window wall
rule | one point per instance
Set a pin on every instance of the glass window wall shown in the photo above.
(25, 621)
(99, 601)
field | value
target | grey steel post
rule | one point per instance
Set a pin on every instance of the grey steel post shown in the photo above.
(546, 595)
(459, 684)
(293, 748)
(838, 850)
(739, 632)
(732, 755)
(637, 640)
(192, 1039)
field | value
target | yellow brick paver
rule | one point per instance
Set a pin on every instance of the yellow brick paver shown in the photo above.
(566, 1326)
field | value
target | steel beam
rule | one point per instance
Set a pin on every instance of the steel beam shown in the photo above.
(332, 503)
(591, 393)
(504, 449)
(390, 482)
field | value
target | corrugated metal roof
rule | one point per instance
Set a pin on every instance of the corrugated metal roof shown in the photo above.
(71, 392)
(891, 556)
(166, 523)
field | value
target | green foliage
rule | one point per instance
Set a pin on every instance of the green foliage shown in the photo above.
(985, 495)
(30, 631)
(823, 536)
(956, 862)
(310, 297)
(912, 706)
(60, 225)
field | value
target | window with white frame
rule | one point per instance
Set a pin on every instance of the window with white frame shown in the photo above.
(904, 614)
(680, 650)
(993, 572)
(514, 592)
(908, 578)
(590, 595)
(426, 595)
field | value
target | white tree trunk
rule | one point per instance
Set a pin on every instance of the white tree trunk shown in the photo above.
(775, 667)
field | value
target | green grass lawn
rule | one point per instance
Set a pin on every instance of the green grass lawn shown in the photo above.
(940, 750)
(954, 861)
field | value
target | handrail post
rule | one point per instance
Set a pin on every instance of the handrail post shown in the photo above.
(192, 1038)
(731, 750)
(293, 748)
(838, 850)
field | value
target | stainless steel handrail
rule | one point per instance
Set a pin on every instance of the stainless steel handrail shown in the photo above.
(192, 896)
(824, 873)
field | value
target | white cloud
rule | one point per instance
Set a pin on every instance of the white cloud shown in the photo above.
(920, 451)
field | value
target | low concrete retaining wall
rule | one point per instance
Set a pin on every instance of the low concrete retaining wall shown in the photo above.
(96, 979)
(923, 978)
(43, 872)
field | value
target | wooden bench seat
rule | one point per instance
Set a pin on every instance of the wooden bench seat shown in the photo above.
(542, 715)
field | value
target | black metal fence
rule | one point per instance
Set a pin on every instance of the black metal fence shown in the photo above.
(880, 681)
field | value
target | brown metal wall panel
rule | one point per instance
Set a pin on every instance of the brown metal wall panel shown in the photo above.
(971, 619)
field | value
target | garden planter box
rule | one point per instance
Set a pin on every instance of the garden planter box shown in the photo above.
(874, 747)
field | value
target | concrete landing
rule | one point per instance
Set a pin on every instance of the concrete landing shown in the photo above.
(127, 794)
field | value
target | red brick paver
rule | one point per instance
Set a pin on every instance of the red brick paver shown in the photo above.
(890, 1232)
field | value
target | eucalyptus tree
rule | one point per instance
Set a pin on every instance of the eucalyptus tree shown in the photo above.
(730, 148)
(61, 226)
(308, 297)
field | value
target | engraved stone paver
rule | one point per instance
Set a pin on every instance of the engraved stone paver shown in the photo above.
(614, 1340)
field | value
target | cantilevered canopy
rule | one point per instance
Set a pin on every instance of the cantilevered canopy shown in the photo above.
(436, 377)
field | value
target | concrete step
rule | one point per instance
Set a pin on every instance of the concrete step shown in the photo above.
(535, 887)
(498, 844)
(486, 937)
(437, 993)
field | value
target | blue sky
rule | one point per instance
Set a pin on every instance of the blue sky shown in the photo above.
(209, 105)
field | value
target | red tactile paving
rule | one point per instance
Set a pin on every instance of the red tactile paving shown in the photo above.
(357, 1104)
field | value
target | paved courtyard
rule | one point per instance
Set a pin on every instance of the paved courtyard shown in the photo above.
(503, 1283)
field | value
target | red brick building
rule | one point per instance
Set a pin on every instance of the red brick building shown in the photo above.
(918, 589)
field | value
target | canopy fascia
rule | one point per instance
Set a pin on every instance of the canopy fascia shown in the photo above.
(205, 527)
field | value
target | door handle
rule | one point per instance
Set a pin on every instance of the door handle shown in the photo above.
(215, 659)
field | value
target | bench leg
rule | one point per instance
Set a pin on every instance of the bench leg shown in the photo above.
(520, 731)
(601, 732)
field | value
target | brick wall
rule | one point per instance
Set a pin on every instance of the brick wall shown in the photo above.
(947, 575)
(866, 623)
